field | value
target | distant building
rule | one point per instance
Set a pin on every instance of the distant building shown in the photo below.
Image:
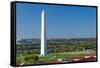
(27, 41)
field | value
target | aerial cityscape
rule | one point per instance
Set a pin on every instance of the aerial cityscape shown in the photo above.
(50, 34)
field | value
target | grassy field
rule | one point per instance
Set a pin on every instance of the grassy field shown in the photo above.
(55, 55)
(62, 55)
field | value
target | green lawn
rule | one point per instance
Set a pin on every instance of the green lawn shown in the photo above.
(55, 55)
(62, 55)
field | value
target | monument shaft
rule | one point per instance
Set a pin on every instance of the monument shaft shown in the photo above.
(43, 35)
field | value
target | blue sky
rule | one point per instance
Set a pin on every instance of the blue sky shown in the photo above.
(61, 21)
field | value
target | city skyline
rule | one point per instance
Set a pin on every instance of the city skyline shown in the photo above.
(61, 21)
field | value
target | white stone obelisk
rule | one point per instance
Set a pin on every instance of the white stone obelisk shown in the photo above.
(43, 35)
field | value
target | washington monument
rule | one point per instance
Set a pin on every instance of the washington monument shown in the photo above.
(43, 35)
